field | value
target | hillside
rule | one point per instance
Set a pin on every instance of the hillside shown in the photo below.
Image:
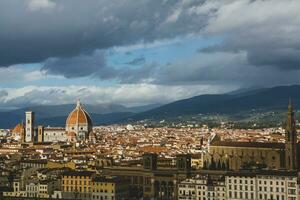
(267, 99)
(241, 105)
(56, 115)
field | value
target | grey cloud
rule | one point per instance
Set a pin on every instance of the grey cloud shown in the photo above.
(68, 28)
(262, 29)
(3, 93)
(95, 66)
(225, 69)
(79, 66)
(260, 40)
(283, 58)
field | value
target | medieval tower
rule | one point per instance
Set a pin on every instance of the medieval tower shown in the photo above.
(291, 158)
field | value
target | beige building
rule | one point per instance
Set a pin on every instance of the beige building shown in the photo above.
(202, 187)
(237, 155)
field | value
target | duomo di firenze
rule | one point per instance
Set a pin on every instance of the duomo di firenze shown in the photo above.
(78, 128)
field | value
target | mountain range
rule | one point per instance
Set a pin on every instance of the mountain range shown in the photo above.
(56, 115)
(261, 99)
(264, 99)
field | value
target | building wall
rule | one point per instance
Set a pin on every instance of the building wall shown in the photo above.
(197, 163)
(40, 134)
(150, 183)
(81, 130)
(236, 157)
(241, 187)
(282, 187)
(55, 135)
(200, 188)
(76, 187)
(245, 186)
(52, 165)
(103, 190)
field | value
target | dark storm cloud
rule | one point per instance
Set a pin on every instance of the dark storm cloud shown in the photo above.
(33, 31)
(260, 46)
(260, 41)
(284, 59)
(137, 61)
(80, 66)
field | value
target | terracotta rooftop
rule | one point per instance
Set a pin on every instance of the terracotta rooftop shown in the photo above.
(78, 116)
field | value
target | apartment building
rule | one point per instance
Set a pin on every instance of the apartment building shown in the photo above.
(262, 185)
(202, 187)
(109, 188)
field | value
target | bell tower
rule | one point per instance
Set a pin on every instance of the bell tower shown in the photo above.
(29, 126)
(291, 158)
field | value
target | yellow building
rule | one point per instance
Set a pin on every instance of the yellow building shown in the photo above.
(77, 184)
(52, 165)
(109, 188)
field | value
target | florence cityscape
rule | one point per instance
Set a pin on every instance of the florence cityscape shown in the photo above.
(150, 99)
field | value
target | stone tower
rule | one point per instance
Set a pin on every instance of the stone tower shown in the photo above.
(291, 160)
(29, 126)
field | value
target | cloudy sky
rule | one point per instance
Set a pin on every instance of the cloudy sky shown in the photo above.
(141, 52)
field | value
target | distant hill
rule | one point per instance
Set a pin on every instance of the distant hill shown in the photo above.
(244, 100)
(265, 99)
(55, 115)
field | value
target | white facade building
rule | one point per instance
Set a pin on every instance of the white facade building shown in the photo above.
(240, 186)
(267, 185)
(55, 134)
(277, 187)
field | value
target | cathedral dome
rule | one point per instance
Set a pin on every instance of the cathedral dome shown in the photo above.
(79, 124)
(78, 116)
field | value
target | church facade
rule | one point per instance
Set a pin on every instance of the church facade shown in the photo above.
(78, 128)
(249, 155)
